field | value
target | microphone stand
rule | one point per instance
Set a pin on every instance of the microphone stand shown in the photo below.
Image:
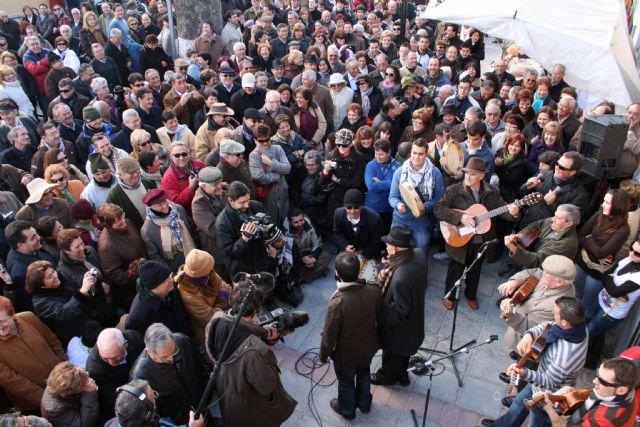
(216, 365)
(457, 287)
(430, 368)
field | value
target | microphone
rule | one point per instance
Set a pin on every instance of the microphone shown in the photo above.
(493, 338)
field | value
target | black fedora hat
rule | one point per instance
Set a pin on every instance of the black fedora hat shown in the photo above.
(400, 237)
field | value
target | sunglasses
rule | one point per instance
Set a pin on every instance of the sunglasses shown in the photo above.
(178, 155)
(362, 83)
(183, 68)
(144, 144)
(65, 90)
(352, 208)
(604, 382)
(563, 168)
(262, 141)
(636, 253)
(55, 181)
(61, 44)
(390, 74)
(342, 145)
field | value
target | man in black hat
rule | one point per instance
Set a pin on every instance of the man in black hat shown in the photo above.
(57, 72)
(456, 198)
(102, 181)
(310, 62)
(251, 119)
(157, 301)
(357, 228)
(403, 282)
(277, 75)
(226, 88)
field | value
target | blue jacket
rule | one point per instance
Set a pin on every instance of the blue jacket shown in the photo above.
(17, 264)
(377, 197)
(485, 154)
(395, 197)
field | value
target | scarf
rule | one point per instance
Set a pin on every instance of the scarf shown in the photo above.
(130, 187)
(421, 180)
(395, 260)
(366, 103)
(573, 335)
(107, 184)
(174, 235)
(151, 176)
(176, 134)
(506, 159)
(537, 102)
(68, 197)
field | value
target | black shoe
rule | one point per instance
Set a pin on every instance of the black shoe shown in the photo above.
(377, 379)
(403, 380)
(487, 422)
(507, 401)
(504, 377)
(514, 355)
(334, 405)
(365, 410)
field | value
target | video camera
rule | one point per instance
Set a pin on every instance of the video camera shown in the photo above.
(283, 320)
(264, 225)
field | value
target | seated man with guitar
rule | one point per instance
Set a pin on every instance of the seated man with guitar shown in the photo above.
(555, 236)
(466, 224)
(530, 296)
(560, 348)
(612, 401)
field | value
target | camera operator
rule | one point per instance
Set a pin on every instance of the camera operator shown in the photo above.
(249, 377)
(239, 236)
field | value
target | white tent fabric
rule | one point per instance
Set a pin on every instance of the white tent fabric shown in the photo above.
(589, 37)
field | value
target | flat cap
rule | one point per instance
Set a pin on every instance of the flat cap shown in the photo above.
(560, 266)
(229, 146)
(209, 174)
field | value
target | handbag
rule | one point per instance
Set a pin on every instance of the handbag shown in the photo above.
(263, 190)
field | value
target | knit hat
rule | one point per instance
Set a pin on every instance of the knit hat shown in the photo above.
(352, 197)
(127, 165)
(97, 162)
(560, 266)
(198, 263)
(90, 113)
(53, 57)
(82, 209)
(274, 236)
(154, 196)
(209, 174)
(153, 273)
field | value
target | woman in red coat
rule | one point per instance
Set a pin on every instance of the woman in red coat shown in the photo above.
(180, 181)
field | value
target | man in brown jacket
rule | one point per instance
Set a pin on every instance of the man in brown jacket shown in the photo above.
(184, 100)
(350, 336)
(209, 42)
(28, 353)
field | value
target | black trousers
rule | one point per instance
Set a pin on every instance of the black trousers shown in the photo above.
(394, 366)
(473, 276)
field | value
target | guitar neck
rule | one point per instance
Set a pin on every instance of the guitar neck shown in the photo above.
(495, 212)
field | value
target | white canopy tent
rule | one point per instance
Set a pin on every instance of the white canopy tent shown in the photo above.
(589, 37)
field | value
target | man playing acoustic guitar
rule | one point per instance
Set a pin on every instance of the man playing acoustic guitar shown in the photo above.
(457, 198)
(563, 352)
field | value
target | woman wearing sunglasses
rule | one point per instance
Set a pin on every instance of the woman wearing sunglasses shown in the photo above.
(180, 181)
(55, 156)
(66, 189)
(141, 142)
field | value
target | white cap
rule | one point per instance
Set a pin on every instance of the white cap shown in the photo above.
(248, 80)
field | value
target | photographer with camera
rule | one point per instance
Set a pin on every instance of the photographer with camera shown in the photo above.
(249, 377)
(242, 235)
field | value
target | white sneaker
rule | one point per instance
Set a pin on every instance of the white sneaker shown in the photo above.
(441, 256)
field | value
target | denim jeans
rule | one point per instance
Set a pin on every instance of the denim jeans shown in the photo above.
(587, 290)
(517, 413)
(599, 324)
(420, 231)
(354, 387)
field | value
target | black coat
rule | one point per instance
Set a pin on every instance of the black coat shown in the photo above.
(367, 236)
(179, 384)
(152, 58)
(145, 312)
(121, 57)
(349, 171)
(402, 328)
(108, 378)
(17, 264)
(241, 100)
(375, 100)
(225, 96)
(512, 176)
(109, 70)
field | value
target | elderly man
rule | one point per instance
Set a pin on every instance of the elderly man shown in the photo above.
(57, 73)
(218, 117)
(315, 260)
(174, 365)
(277, 75)
(21, 151)
(117, 50)
(183, 99)
(206, 206)
(68, 95)
(557, 82)
(37, 64)
(102, 181)
(628, 162)
(272, 108)
(129, 190)
(249, 96)
(554, 279)
(105, 66)
(321, 94)
(102, 144)
(500, 70)
(557, 237)
(567, 119)
(41, 202)
(227, 87)
(561, 186)
(494, 123)
(233, 165)
(29, 352)
(131, 121)
(69, 127)
(110, 362)
(357, 228)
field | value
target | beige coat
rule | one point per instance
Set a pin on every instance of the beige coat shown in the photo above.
(187, 136)
(538, 308)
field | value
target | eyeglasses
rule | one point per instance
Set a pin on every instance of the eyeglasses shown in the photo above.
(56, 9)
(352, 208)
(360, 83)
(262, 140)
(563, 168)
(390, 74)
(65, 90)
(493, 114)
(605, 382)
(55, 181)
(178, 155)
(636, 253)
(226, 75)
(144, 144)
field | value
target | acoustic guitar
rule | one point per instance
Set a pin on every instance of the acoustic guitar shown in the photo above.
(458, 236)
(520, 295)
(534, 353)
(566, 404)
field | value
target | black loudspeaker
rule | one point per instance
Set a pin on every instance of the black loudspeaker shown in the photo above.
(601, 143)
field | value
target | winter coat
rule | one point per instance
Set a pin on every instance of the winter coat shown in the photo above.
(205, 209)
(118, 249)
(17, 264)
(180, 384)
(59, 209)
(37, 64)
(350, 332)
(84, 146)
(367, 237)
(321, 130)
(402, 328)
(241, 173)
(202, 301)
(512, 175)
(458, 197)
(254, 394)
(152, 310)
(350, 174)
(176, 184)
(118, 196)
(241, 100)
(108, 378)
(536, 148)
(12, 178)
(204, 139)
(26, 359)
(376, 98)
(78, 410)
(277, 202)
(184, 113)
(152, 58)
(377, 198)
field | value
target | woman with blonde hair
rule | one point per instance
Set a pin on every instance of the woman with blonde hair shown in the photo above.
(71, 397)
(10, 87)
(141, 141)
(90, 33)
(550, 140)
(420, 127)
(55, 156)
(363, 142)
(66, 189)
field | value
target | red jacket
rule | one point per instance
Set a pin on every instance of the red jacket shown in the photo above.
(38, 66)
(176, 184)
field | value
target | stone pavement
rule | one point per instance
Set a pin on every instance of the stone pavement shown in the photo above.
(449, 405)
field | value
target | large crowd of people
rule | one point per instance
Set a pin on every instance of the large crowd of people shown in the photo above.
(149, 199)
